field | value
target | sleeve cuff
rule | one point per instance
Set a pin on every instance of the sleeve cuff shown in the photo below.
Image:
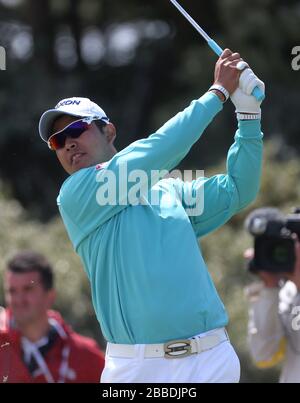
(212, 101)
(250, 128)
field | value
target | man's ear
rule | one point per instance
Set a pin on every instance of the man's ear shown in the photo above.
(110, 133)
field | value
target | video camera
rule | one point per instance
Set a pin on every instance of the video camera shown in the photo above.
(274, 244)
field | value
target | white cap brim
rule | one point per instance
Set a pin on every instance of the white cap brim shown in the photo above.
(47, 119)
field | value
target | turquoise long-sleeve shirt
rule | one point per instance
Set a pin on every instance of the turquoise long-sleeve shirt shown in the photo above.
(149, 281)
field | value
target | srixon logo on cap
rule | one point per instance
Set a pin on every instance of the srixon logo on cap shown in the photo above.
(68, 102)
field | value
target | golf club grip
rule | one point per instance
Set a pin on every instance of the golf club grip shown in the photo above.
(257, 93)
(215, 47)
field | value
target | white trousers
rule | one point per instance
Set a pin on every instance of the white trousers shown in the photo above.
(217, 365)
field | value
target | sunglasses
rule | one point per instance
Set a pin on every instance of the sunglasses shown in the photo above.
(73, 130)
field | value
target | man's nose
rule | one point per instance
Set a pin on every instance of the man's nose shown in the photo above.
(70, 143)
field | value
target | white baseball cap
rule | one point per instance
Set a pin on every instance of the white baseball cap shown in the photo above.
(76, 106)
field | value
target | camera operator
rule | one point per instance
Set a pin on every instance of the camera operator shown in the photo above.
(274, 302)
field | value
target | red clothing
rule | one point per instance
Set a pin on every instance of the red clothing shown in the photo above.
(71, 359)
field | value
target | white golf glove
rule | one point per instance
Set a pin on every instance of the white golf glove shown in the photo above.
(244, 102)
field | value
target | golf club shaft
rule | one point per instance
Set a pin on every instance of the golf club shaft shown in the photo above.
(213, 45)
(257, 93)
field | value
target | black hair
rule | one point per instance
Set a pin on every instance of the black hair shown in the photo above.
(267, 213)
(100, 124)
(28, 261)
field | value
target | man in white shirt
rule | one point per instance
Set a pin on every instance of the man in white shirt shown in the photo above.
(274, 319)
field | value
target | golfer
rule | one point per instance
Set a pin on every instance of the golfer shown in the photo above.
(137, 233)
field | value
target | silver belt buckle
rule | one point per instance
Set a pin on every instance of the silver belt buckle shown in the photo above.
(177, 349)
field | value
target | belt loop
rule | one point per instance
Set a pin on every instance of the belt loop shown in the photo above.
(139, 350)
(198, 344)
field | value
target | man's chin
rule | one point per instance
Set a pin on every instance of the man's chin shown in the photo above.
(23, 319)
(80, 165)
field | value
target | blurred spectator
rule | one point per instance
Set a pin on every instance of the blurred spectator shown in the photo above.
(274, 313)
(36, 345)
